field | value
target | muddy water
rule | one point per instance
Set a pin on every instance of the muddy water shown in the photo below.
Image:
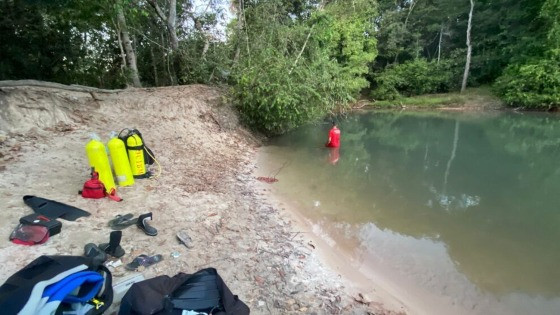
(460, 213)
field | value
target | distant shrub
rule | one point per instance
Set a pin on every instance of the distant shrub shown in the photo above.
(273, 102)
(534, 84)
(414, 77)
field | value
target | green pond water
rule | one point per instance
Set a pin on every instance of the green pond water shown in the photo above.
(461, 209)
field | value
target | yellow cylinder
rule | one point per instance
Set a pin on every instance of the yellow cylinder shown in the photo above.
(119, 157)
(98, 159)
(136, 156)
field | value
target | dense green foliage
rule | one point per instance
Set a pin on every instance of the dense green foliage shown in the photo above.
(533, 84)
(288, 61)
(300, 69)
(414, 77)
(50, 40)
(512, 34)
(79, 42)
(535, 81)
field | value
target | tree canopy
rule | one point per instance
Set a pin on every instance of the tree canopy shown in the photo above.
(289, 61)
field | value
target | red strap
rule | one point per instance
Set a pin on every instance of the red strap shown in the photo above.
(113, 195)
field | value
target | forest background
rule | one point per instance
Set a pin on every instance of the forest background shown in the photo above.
(288, 62)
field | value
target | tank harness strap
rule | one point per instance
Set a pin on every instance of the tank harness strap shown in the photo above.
(138, 147)
(148, 174)
(113, 195)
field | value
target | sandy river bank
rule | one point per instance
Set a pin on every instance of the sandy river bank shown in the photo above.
(207, 186)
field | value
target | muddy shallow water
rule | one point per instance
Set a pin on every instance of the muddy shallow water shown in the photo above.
(458, 212)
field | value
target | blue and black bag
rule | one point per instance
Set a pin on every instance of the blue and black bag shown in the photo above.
(57, 284)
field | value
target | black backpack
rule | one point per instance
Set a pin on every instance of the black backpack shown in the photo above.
(148, 154)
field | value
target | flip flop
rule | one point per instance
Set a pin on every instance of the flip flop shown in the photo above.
(93, 251)
(122, 221)
(184, 237)
(143, 260)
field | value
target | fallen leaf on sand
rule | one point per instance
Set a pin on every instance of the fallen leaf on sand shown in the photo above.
(259, 280)
(268, 180)
(361, 299)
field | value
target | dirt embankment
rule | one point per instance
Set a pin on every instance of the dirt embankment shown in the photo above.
(207, 186)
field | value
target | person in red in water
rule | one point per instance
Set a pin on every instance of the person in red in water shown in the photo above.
(334, 137)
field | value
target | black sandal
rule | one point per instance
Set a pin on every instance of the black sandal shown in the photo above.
(143, 260)
(122, 221)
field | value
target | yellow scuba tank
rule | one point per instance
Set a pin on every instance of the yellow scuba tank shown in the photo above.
(97, 156)
(119, 157)
(136, 156)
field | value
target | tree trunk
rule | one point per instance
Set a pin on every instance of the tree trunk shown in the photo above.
(238, 30)
(409, 12)
(469, 50)
(246, 31)
(302, 49)
(413, 3)
(321, 5)
(121, 49)
(166, 62)
(130, 54)
(439, 44)
(206, 46)
(172, 24)
(198, 27)
(123, 54)
(154, 66)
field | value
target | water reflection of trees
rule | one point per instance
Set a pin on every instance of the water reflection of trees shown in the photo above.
(508, 164)
(494, 203)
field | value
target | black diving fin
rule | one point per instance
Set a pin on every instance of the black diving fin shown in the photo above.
(54, 209)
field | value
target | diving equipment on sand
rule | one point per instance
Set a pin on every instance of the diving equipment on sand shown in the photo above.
(119, 157)
(136, 156)
(54, 209)
(138, 153)
(98, 159)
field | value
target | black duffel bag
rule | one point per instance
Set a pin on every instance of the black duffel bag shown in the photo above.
(203, 291)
